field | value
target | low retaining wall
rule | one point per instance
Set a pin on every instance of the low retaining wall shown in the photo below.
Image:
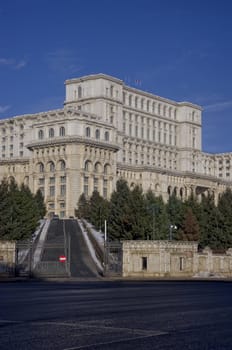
(7, 258)
(173, 259)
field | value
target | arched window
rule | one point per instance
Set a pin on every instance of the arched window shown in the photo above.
(106, 169)
(62, 165)
(97, 167)
(107, 136)
(62, 131)
(51, 167)
(41, 134)
(87, 132)
(97, 134)
(51, 132)
(79, 92)
(87, 165)
(41, 167)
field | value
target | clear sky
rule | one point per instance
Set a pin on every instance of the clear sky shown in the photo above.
(179, 49)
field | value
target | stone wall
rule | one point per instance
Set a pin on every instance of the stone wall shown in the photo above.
(7, 258)
(173, 259)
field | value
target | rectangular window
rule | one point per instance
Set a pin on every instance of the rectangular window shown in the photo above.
(181, 263)
(62, 205)
(62, 190)
(63, 179)
(52, 191)
(144, 263)
(41, 181)
(52, 180)
(95, 184)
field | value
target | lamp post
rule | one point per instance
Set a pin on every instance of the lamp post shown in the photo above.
(171, 227)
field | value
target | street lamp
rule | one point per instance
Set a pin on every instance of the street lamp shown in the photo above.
(171, 227)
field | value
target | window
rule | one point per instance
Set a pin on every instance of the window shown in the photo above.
(41, 134)
(105, 183)
(62, 190)
(62, 131)
(41, 181)
(95, 184)
(97, 134)
(51, 166)
(107, 136)
(87, 132)
(79, 92)
(63, 179)
(181, 263)
(52, 180)
(41, 168)
(86, 186)
(144, 263)
(52, 191)
(62, 165)
(51, 132)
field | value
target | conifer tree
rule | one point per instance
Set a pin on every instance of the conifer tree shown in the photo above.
(190, 230)
(40, 203)
(119, 223)
(138, 214)
(83, 207)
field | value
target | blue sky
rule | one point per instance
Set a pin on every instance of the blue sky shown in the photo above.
(181, 50)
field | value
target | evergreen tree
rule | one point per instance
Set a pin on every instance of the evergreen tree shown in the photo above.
(175, 210)
(119, 223)
(225, 209)
(138, 214)
(5, 214)
(83, 207)
(99, 208)
(40, 203)
(158, 218)
(211, 224)
(190, 230)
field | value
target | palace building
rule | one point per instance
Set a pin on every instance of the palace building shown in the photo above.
(106, 131)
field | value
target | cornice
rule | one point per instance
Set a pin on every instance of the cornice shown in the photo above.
(14, 161)
(169, 172)
(94, 77)
(69, 140)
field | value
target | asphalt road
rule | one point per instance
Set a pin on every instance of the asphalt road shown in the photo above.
(116, 315)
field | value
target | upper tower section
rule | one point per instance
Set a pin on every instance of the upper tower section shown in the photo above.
(98, 94)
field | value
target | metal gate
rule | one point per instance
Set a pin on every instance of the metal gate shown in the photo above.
(43, 259)
(113, 259)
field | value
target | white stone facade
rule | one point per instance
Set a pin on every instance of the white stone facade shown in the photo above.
(106, 131)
